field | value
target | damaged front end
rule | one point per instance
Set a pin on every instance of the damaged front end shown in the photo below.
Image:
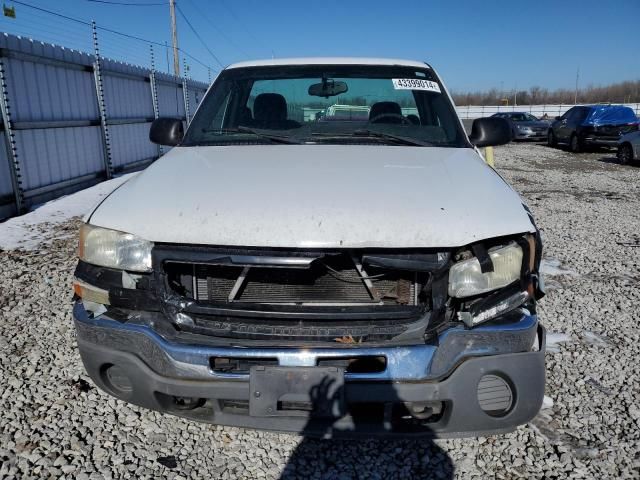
(198, 331)
(301, 297)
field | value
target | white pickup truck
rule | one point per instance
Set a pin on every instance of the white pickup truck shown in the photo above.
(329, 276)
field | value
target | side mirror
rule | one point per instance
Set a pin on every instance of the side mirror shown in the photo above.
(490, 131)
(166, 131)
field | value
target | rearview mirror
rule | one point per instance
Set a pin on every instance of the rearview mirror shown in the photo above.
(166, 131)
(328, 88)
(490, 131)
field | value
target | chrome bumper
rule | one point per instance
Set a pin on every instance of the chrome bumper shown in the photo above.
(180, 358)
(173, 374)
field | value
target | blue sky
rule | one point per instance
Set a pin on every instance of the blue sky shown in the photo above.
(473, 45)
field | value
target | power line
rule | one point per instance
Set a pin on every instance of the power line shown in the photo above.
(217, 29)
(133, 37)
(198, 36)
(52, 13)
(127, 4)
(233, 14)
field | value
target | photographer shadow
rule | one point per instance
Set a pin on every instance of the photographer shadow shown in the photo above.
(354, 440)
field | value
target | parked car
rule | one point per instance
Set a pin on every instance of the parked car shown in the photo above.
(629, 147)
(588, 126)
(525, 126)
(320, 277)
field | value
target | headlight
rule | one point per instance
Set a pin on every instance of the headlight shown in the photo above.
(466, 278)
(113, 249)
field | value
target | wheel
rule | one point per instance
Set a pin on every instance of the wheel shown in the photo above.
(625, 153)
(551, 139)
(574, 144)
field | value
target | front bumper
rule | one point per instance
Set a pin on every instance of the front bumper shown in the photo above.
(161, 372)
(530, 135)
(601, 141)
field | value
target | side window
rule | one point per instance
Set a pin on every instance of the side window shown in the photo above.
(568, 114)
(581, 115)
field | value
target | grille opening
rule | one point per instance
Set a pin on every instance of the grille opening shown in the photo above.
(409, 416)
(331, 280)
(330, 330)
(364, 364)
(295, 406)
(178, 404)
(238, 407)
(417, 412)
(238, 364)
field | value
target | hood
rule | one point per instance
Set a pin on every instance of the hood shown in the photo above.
(329, 196)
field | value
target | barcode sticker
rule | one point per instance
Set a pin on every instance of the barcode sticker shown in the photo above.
(415, 84)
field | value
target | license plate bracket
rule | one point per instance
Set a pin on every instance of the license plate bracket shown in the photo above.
(296, 391)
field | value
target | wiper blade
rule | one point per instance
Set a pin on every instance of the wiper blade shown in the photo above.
(259, 133)
(364, 133)
(401, 140)
(269, 136)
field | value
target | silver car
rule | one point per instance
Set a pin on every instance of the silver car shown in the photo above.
(525, 126)
(629, 147)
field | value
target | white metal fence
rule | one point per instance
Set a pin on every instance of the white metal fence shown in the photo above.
(478, 111)
(70, 119)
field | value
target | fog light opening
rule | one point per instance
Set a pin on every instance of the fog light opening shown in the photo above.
(495, 395)
(116, 379)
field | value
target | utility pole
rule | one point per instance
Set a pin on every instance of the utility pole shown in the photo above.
(174, 38)
(575, 98)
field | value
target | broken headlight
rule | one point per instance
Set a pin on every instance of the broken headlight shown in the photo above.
(466, 278)
(114, 249)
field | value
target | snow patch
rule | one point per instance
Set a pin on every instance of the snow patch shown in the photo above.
(547, 402)
(594, 339)
(32, 229)
(554, 339)
(552, 267)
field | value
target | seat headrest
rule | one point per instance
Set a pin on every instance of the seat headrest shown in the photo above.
(269, 108)
(382, 108)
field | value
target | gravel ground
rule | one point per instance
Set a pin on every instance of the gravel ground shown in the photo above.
(56, 424)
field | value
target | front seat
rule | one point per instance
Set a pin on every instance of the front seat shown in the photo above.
(385, 108)
(270, 111)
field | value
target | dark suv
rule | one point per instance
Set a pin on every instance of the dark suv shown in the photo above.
(587, 126)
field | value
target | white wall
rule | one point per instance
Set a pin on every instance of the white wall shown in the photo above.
(477, 111)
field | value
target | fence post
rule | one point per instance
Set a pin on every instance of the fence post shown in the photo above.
(185, 93)
(97, 75)
(9, 140)
(154, 94)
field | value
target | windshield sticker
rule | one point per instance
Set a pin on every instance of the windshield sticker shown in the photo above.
(415, 84)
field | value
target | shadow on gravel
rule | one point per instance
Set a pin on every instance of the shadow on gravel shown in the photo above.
(614, 160)
(355, 451)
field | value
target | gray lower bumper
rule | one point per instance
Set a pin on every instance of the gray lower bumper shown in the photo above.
(158, 371)
(530, 136)
(599, 141)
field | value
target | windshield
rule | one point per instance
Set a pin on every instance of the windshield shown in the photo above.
(523, 117)
(327, 104)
